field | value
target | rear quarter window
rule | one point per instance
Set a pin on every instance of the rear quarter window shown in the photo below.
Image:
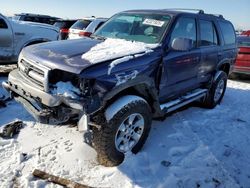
(227, 32)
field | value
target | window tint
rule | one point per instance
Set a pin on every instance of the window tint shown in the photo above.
(185, 28)
(3, 24)
(228, 32)
(81, 24)
(208, 33)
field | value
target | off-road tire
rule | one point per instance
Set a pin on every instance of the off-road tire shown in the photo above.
(209, 101)
(104, 139)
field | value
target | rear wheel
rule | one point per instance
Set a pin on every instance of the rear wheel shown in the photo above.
(126, 131)
(216, 92)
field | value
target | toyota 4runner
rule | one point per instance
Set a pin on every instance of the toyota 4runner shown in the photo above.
(139, 65)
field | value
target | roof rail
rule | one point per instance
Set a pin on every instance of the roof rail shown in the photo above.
(200, 11)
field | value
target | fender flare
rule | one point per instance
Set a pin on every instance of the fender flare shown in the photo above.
(119, 104)
(38, 40)
(223, 62)
(144, 87)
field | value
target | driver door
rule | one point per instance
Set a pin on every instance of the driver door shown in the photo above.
(180, 67)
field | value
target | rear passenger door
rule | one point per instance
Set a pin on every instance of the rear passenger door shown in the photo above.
(209, 46)
(180, 67)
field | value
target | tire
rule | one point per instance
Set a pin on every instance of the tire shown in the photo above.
(106, 142)
(215, 96)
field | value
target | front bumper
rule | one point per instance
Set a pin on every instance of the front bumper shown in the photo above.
(44, 107)
(23, 87)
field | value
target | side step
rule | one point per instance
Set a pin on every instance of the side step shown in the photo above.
(184, 100)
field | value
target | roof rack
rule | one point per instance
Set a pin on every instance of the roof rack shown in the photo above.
(200, 11)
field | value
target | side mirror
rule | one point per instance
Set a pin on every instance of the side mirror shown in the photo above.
(182, 44)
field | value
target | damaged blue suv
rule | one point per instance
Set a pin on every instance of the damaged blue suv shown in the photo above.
(139, 65)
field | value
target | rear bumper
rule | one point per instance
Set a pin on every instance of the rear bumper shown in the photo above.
(242, 70)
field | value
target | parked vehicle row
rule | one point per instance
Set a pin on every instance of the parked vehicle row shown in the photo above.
(85, 27)
(69, 29)
(137, 66)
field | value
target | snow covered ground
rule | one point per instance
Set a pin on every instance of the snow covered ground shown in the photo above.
(192, 148)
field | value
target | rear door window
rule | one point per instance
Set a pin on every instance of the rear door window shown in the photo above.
(81, 24)
(207, 33)
(228, 32)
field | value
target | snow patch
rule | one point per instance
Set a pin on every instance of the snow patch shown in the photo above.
(124, 77)
(116, 48)
(118, 61)
(66, 89)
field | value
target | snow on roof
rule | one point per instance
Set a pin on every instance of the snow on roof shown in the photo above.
(112, 49)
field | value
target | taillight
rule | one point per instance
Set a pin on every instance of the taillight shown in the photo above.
(84, 34)
(64, 30)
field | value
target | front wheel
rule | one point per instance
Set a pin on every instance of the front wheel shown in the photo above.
(216, 92)
(127, 130)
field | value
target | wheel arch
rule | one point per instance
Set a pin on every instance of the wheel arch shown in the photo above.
(224, 66)
(35, 41)
(145, 88)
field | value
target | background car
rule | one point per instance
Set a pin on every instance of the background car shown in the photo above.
(246, 33)
(85, 27)
(15, 35)
(242, 65)
(64, 26)
(36, 18)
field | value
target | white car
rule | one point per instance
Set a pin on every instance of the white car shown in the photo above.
(15, 35)
(85, 27)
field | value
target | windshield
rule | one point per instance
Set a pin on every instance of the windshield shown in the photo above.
(147, 28)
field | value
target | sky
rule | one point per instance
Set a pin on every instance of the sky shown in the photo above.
(237, 11)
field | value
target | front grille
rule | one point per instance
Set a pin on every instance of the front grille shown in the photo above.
(35, 73)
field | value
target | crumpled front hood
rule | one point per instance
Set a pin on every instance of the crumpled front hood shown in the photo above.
(63, 55)
(76, 55)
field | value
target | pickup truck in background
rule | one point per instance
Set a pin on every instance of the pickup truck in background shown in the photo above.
(15, 35)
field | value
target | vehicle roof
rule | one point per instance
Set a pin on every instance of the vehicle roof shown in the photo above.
(173, 12)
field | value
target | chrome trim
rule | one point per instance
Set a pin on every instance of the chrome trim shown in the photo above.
(34, 74)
